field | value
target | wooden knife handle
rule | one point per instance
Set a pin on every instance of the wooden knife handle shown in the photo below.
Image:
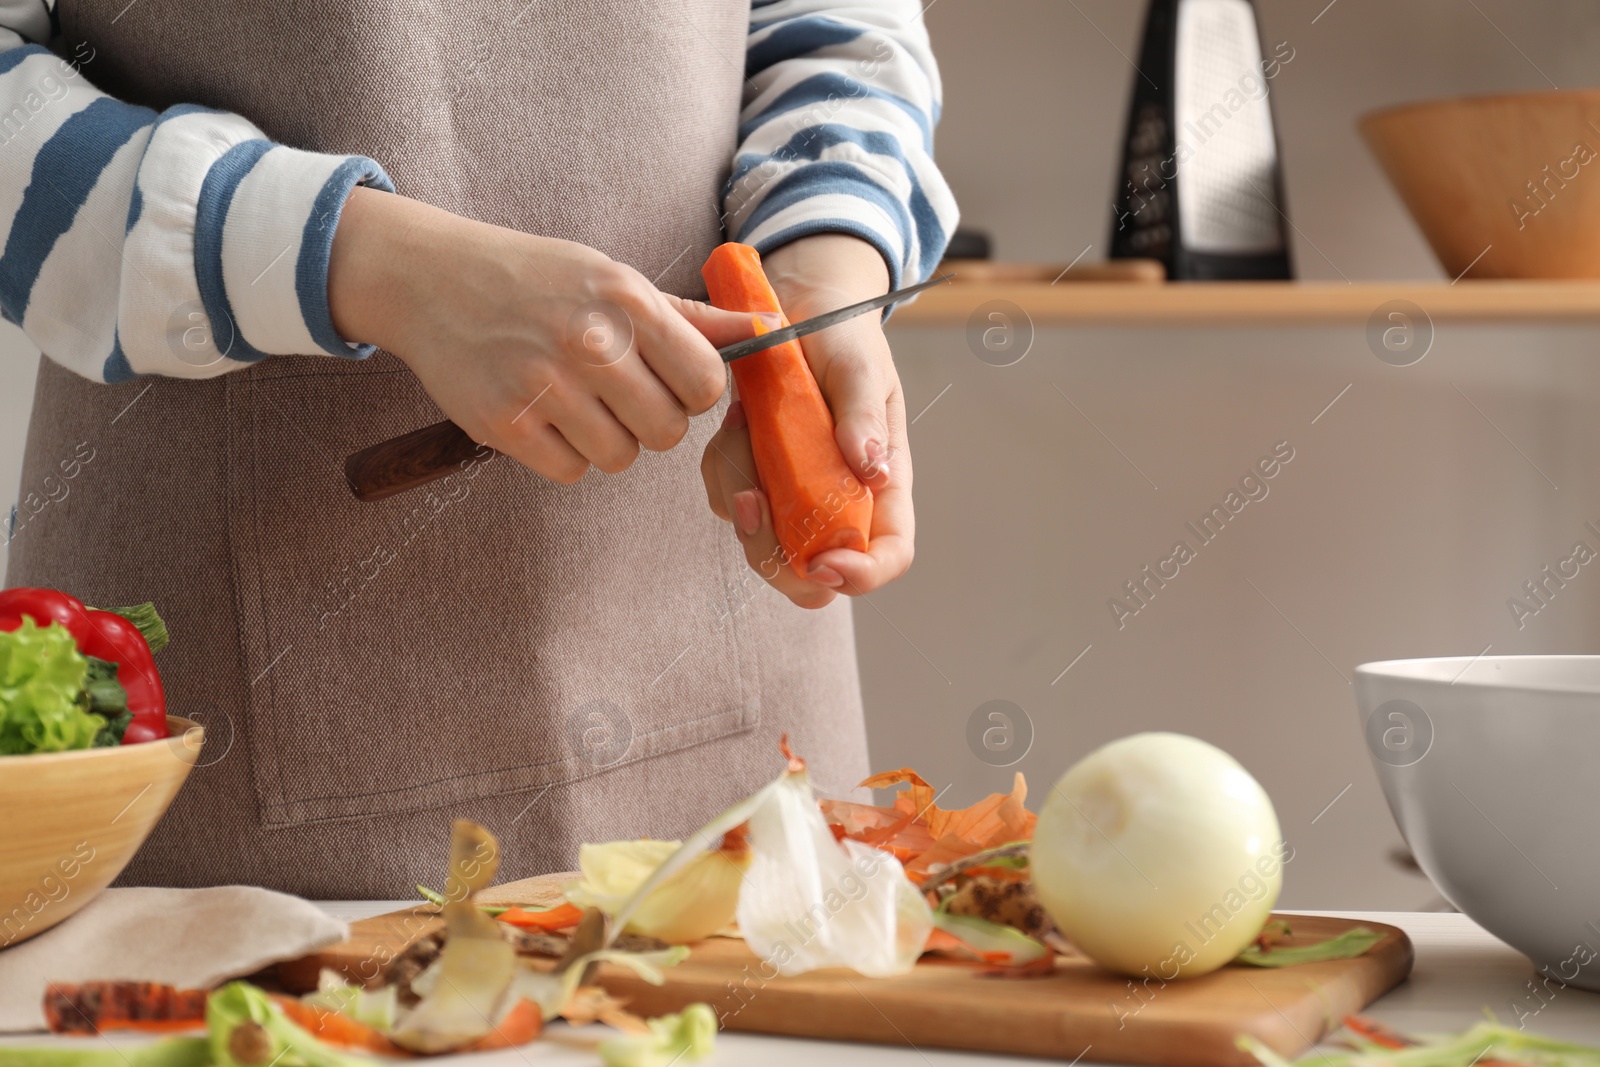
(410, 460)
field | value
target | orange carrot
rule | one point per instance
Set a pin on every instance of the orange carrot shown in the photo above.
(521, 1025)
(336, 1028)
(560, 917)
(817, 501)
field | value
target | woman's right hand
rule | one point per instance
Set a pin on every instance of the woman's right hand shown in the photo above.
(546, 350)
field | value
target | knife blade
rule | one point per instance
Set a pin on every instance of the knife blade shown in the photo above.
(795, 330)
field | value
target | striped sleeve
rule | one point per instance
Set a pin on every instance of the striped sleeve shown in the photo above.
(135, 242)
(836, 132)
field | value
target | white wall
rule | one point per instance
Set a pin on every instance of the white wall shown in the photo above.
(1400, 528)
(19, 361)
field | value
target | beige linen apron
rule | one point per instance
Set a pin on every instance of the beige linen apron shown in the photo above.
(564, 664)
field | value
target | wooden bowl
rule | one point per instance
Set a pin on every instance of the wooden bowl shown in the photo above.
(70, 821)
(1501, 186)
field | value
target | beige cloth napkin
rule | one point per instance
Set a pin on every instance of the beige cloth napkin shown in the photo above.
(190, 938)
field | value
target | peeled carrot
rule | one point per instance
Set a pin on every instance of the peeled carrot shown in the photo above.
(559, 917)
(817, 501)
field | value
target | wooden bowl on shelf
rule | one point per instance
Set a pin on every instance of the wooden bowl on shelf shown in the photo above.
(1501, 186)
(73, 820)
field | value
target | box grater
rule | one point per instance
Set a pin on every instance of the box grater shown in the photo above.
(1200, 187)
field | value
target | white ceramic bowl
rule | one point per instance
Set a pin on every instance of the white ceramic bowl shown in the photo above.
(1492, 769)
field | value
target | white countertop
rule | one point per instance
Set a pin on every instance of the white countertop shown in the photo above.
(1460, 971)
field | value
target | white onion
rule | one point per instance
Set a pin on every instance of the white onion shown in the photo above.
(1159, 856)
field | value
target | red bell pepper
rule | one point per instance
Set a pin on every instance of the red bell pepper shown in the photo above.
(104, 635)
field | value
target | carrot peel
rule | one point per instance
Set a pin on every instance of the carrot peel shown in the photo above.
(560, 917)
(519, 1026)
(94, 1007)
(335, 1028)
(924, 836)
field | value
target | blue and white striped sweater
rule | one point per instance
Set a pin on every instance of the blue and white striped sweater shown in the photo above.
(185, 243)
(836, 133)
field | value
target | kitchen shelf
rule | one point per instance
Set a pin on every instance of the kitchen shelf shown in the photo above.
(1070, 303)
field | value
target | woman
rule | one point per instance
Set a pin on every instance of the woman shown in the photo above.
(293, 229)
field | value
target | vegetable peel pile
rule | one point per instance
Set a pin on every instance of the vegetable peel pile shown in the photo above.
(470, 992)
(827, 883)
(923, 835)
(473, 988)
(809, 900)
(693, 904)
(1487, 1043)
(811, 884)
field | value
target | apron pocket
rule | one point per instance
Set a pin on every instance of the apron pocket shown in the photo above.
(487, 634)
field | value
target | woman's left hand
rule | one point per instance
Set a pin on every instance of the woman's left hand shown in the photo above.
(853, 366)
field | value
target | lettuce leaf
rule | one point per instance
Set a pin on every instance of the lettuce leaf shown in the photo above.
(172, 1052)
(687, 1035)
(240, 1005)
(41, 680)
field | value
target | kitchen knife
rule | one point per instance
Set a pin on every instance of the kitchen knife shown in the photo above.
(795, 330)
(421, 456)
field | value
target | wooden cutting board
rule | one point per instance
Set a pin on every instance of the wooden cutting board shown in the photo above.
(1078, 1011)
